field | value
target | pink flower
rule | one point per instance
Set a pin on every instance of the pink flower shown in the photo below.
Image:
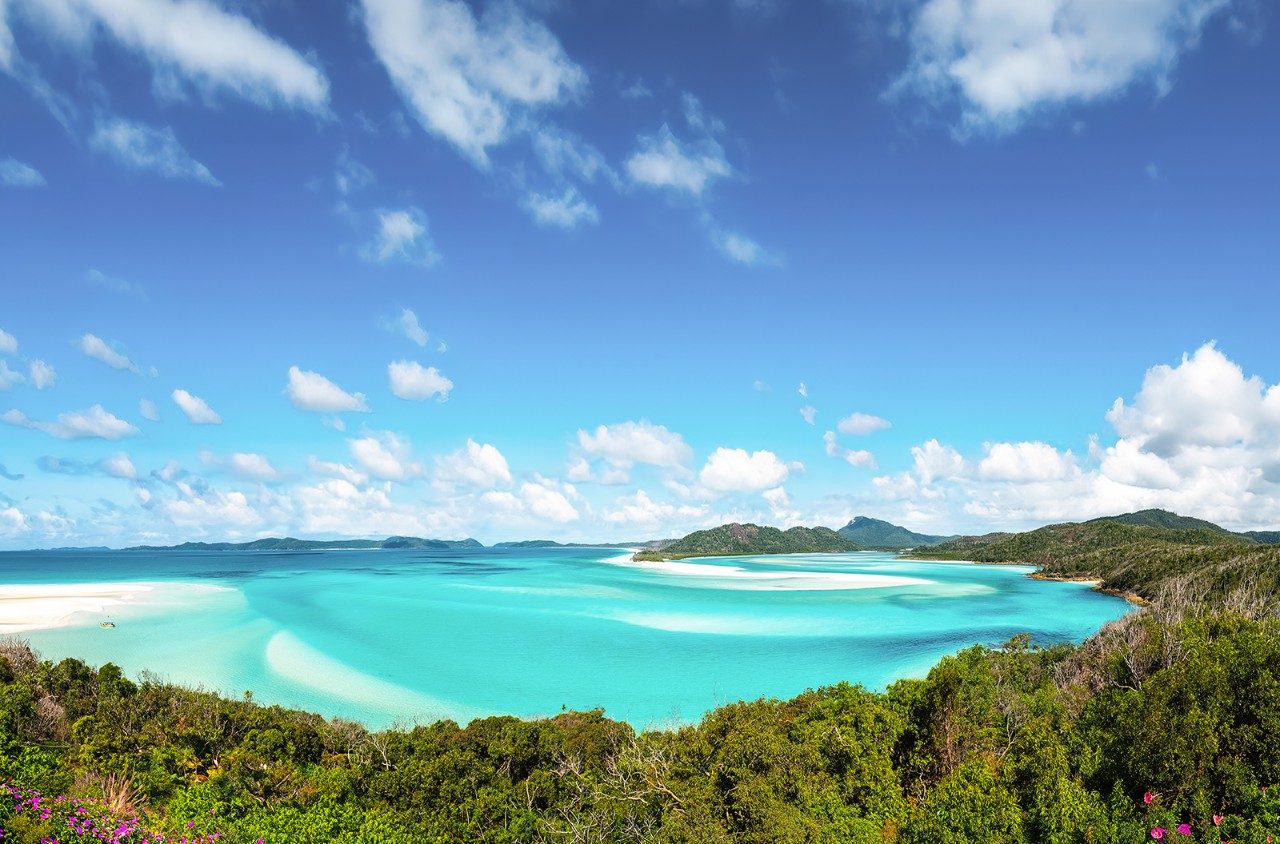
(1217, 820)
(1184, 829)
(1157, 833)
(1148, 797)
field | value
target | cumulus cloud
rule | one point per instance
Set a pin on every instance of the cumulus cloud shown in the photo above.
(470, 81)
(412, 381)
(565, 210)
(809, 413)
(312, 391)
(193, 41)
(98, 349)
(735, 470)
(385, 456)
(664, 161)
(119, 466)
(8, 343)
(861, 424)
(337, 470)
(1200, 438)
(999, 61)
(155, 149)
(477, 465)
(42, 374)
(94, 423)
(625, 445)
(16, 174)
(252, 467)
(197, 410)
(639, 509)
(147, 409)
(401, 237)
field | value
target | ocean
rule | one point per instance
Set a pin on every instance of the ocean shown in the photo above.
(396, 637)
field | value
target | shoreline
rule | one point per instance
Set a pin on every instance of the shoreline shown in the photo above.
(26, 607)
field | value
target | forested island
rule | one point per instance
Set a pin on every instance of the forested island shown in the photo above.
(1165, 725)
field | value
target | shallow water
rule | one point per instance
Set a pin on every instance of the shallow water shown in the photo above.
(397, 636)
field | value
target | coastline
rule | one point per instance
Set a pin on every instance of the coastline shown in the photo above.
(41, 606)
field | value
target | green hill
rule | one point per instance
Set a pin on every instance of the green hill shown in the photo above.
(1198, 563)
(735, 539)
(875, 533)
(1162, 519)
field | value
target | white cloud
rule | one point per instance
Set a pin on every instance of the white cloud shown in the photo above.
(8, 343)
(1025, 461)
(809, 413)
(385, 456)
(565, 155)
(858, 458)
(476, 465)
(312, 391)
(627, 443)
(402, 238)
(197, 410)
(9, 377)
(148, 410)
(1199, 438)
(252, 467)
(119, 466)
(741, 249)
(566, 210)
(734, 470)
(548, 503)
(14, 173)
(408, 325)
(412, 381)
(640, 509)
(1002, 60)
(861, 424)
(143, 147)
(803, 390)
(98, 349)
(43, 375)
(469, 81)
(337, 470)
(664, 161)
(85, 424)
(193, 39)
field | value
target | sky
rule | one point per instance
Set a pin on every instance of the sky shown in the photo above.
(612, 271)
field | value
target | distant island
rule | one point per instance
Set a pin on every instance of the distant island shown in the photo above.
(288, 543)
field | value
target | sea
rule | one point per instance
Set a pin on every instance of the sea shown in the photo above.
(400, 637)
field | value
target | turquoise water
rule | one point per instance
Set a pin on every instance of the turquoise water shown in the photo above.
(401, 636)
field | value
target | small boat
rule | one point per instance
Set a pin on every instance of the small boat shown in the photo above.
(107, 624)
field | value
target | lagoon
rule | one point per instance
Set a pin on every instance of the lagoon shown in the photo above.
(402, 636)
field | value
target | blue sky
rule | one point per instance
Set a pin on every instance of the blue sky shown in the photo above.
(389, 266)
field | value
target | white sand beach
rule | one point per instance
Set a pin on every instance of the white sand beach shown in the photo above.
(737, 577)
(39, 606)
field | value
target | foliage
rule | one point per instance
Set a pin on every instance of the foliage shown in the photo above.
(1153, 723)
(735, 539)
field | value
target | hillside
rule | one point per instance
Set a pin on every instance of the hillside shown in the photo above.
(867, 532)
(1198, 563)
(734, 539)
(288, 543)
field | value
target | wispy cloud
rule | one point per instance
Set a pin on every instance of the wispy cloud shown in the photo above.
(17, 174)
(148, 148)
(401, 237)
(96, 422)
(469, 80)
(98, 349)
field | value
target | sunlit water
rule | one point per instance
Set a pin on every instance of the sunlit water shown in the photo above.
(402, 636)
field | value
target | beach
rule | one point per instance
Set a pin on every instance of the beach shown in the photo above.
(41, 606)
